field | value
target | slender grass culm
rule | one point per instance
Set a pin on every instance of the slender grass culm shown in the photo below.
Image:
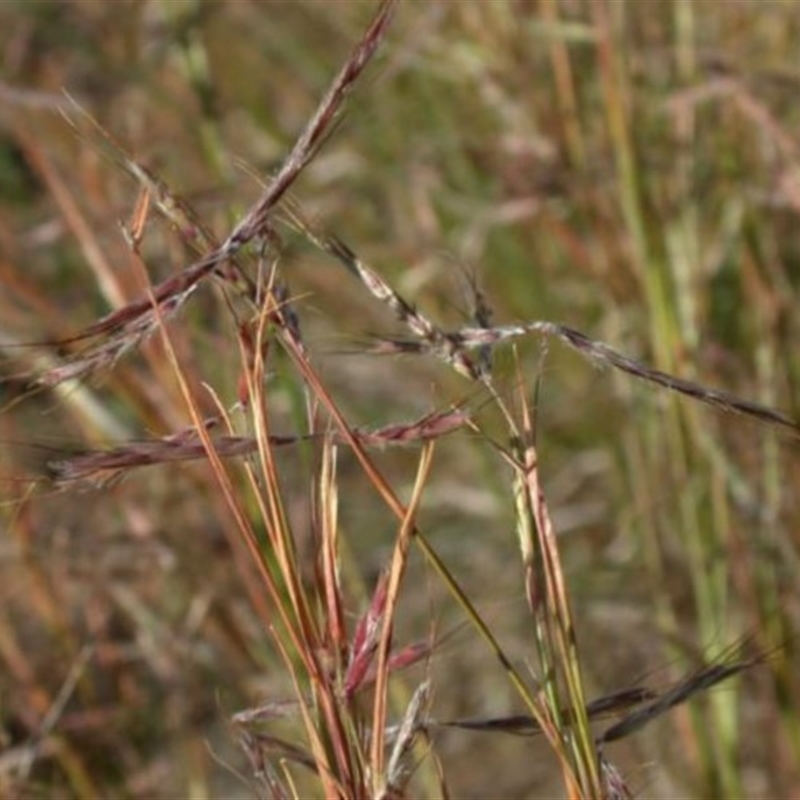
(394, 539)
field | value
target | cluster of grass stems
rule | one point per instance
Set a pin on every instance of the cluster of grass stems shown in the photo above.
(357, 732)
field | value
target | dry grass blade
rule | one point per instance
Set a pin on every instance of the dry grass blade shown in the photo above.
(388, 495)
(380, 779)
(560, 666)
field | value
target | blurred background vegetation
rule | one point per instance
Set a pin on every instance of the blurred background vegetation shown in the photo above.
(630, 169)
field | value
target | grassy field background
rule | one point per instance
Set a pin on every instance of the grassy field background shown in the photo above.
(630, 169)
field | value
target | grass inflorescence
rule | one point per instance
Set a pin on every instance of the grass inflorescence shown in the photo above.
(351, 575)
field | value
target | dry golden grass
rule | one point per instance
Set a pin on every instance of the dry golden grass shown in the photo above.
(320, 590)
